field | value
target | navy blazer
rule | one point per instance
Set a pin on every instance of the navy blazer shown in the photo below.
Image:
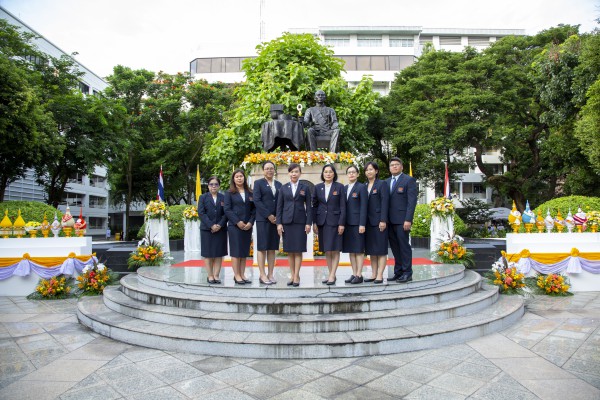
(236, 209)
(356, 204)
(379, 200)
(211, 213)
(294, 209)
(403, 199)
(330, 211)
(264, 201)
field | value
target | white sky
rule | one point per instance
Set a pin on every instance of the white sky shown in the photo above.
(167, 35)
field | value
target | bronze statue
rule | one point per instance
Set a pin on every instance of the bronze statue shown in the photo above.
(322, 123)
(282, 131)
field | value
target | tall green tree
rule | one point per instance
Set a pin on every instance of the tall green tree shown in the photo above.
(25, 124)
(288, 71)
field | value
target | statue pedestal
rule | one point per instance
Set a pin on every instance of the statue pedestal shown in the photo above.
(191, 239)
(157, 229)
(311, 174)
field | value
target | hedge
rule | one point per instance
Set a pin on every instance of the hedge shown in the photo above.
(31, 211)
(564, 204)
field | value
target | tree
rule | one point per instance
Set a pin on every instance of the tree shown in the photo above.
(288, 71)
(24, 122)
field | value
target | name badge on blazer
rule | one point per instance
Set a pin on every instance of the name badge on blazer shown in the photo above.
(222, 204)
(335, 193)
(302, 193)
(354, 195)
(374, 191)
(250, 198)
(401, 189)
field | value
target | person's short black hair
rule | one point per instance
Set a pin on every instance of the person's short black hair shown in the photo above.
(375, 167)
(396, 159)
(214, 178)
(269, 162)
(335, 176)
(293, 166)
(352, 166)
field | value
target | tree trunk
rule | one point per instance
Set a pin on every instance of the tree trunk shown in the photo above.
(3, 186)
(129, 194)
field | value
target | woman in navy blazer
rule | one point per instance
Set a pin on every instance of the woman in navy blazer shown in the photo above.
(376, 243)
(356, 197)
(240, 211)
(213, 235)
(294, 218)
(329, 216)
(266, 191)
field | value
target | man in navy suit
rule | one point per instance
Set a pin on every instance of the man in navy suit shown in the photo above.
(403, 200)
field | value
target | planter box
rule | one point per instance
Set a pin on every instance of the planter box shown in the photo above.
(420, 242)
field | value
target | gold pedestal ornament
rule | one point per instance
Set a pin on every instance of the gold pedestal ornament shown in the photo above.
(67, 231)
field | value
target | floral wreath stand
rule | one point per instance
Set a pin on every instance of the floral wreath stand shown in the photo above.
(191, 238)
(157, 229)
(442, 228)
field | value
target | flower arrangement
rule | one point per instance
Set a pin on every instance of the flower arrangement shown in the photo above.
(553, 285)
(148, 254)
(442, 207)
(506, 276)
(190, 213)
(316, 251)
(593, 218)
(156, 209)
(32, 225)
(452, 251)
(300, 157)
(94, 279)
(57, 287)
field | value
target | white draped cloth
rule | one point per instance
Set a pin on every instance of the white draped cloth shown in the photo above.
(191, 238)
(157, 229)
(442, 229)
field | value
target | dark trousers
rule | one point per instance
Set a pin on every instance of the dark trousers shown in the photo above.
(401, 250)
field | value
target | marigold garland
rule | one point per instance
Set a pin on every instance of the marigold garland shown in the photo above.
(300, 157)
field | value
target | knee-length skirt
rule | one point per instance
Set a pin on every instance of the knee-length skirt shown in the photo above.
(239, 242)
(329, 240)
(266, 236)
(294, 238)
(213, 245)
(353, 242)
(376, 242)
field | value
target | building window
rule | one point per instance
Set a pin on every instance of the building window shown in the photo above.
(216, 65)
(97, 202)
(72, 199)
(363, 63)
(337, 41)
(350, 62)
(376, 63)
(97, 181)
(478, 41)
(425, 39)
(96, 223)
(369, 41)
(450, 41)
(77, 178)
(85, 89)
(402, 42)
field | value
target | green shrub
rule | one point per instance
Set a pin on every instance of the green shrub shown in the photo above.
(30, 211)
(422, 222)
(564, 204)
(176, 227)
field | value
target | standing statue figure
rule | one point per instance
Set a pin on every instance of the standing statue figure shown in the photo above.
(322, 123)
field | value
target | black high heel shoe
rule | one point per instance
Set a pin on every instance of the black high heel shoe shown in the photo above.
(329, 283)
(242, 282)
(369, 280)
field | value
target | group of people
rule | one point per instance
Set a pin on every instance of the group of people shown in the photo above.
(358, 218)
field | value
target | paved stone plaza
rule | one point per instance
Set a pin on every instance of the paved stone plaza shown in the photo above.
(553, 352)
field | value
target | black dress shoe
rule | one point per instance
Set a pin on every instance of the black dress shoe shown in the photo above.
(247, 280)
(357, 279)
(217, 281)
(349, 280)
(369, 280)
(329, 283)
(296, 284)
(393, 278)
(290, 283)
(378, 281)
(325, 281)
(267, 282)
(404, 279)
(242, 282)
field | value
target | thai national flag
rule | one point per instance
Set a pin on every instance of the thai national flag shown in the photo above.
(161, 187)
(446, 184)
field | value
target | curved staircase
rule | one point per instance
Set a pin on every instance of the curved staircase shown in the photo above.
(168, 308)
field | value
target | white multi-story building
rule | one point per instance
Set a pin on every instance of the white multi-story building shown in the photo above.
(88, 193)
(378, 51)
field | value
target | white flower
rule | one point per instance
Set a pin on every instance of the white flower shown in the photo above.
(85, 269)
(101, 267)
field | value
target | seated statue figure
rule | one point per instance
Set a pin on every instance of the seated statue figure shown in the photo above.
(322, 123)
(282, 131)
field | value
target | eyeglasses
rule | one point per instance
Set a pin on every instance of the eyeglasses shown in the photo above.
(213, 184)
(351, 172)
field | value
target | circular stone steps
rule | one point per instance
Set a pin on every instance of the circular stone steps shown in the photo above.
(167, 308)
